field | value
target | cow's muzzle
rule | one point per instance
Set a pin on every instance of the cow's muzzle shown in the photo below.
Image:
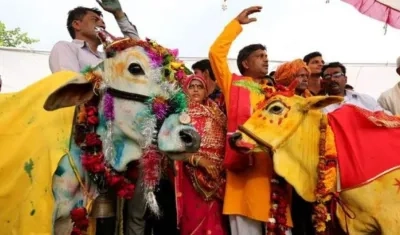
(191, 139)
(260, 144)
(236, 143)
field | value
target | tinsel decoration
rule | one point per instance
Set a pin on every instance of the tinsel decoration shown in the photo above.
(92, 76)
(160, 108)
(178, 102)
(109, 116)
(151, 174)
(157, 110)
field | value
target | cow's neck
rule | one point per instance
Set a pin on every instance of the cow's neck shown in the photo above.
(297, 162)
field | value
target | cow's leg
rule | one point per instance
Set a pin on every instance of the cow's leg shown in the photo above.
(66, 194)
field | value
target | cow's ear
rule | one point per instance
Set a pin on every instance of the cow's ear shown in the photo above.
(319, 102)
(75, 92)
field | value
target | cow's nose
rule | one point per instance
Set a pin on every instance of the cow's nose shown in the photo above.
(191, 139)
(234, 138)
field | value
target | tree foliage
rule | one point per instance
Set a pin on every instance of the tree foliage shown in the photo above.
(14, 37)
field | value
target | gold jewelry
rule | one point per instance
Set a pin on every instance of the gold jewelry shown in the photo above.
(197, 160)
(191, 160)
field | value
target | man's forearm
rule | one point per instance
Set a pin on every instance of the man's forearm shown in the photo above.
(127, 28)
(218, 56)
(119, 15)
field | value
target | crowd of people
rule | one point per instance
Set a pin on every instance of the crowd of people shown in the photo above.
(218, 190)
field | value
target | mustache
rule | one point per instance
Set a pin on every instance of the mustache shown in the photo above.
(332, 83)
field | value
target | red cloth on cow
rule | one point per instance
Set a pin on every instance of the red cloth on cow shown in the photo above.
(368, 144)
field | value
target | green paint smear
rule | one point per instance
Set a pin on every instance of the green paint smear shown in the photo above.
(28, 167)
(31, 120)
(33, 210)
(60, 171)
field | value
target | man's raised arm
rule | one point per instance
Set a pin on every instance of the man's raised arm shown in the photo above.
(114, 7)
(218, 55)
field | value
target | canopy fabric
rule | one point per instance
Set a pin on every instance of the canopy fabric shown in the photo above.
(32, 142)
(387, 11)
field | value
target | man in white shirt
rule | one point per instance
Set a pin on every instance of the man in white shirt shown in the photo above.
(81, 24)
(390, 99)
(334, 83)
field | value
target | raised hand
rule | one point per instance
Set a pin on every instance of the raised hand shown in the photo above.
(244, 18)
(112, 6)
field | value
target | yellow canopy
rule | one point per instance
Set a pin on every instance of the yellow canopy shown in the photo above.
(32, 141)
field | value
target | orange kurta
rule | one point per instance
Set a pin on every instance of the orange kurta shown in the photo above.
(247, 193)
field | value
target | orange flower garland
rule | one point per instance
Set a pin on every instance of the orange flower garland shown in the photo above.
(327, 176)
(277, 223)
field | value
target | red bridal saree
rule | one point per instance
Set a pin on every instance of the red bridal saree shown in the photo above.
(198, 195)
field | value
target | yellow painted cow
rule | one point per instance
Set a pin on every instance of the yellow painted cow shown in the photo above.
(350, 156)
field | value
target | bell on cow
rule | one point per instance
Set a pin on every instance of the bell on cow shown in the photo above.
(103, 207)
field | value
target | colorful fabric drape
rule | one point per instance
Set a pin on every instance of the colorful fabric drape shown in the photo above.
(387, 11)
(199, 196)
(367, 144)
(32, 142)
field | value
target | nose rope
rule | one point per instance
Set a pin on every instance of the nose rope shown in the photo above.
(348, 213)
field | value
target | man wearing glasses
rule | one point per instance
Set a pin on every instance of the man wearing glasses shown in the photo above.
(334, 83)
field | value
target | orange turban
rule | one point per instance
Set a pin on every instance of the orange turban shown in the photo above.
(286, 72)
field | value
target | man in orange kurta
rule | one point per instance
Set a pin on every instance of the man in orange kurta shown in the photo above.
(247, 196)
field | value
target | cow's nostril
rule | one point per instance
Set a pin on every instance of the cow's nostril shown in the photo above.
(186, 136)
(234, 138)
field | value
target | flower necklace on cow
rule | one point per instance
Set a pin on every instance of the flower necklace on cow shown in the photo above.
(327, 178)
(157, 109)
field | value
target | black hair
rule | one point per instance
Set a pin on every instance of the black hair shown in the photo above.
(347, 86)
(271, 74)
(245, 52)
(204, 65)
(77, 14)
(270, 78)
(310, 56)
(334, 65)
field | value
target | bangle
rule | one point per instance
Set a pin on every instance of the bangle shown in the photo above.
(196, 162)
(191, 160)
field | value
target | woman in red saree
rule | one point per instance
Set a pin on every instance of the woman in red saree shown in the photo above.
(200, 180)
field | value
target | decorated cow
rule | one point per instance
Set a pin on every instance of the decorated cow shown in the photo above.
(346, 162)
(129, 109)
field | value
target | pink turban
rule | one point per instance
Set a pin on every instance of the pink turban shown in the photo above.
(189, 79)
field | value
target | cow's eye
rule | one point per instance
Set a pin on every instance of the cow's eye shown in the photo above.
(275, 108)
(135, 69)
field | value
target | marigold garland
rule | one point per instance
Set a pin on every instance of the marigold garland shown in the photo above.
(93, 162)
(277, 224)
(93, 157)
(327, 176)
(79, 220)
